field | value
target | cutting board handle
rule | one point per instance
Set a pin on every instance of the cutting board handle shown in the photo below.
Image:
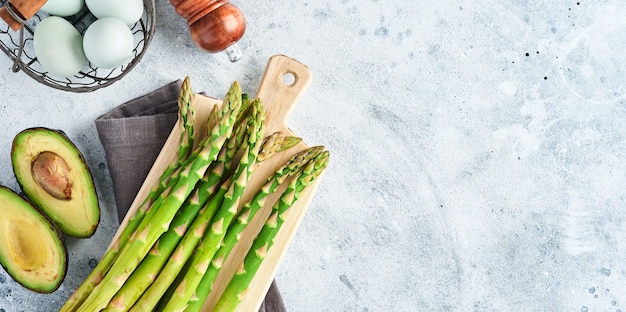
(283, 82)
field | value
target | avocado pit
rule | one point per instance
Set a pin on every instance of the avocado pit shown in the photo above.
(51, 172)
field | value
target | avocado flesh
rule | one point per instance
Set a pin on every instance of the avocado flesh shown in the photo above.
(24, 253)
(31, 251)
(66, 194)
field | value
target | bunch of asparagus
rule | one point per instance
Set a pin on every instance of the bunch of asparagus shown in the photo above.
(172, 248)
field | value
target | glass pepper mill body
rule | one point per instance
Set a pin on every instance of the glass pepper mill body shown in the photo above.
(215, 25)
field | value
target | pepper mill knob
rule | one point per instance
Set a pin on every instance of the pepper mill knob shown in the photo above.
(215, 25)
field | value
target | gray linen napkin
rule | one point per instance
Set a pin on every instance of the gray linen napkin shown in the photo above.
(132, 136)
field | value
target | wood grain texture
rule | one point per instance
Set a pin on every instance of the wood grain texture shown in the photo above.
(279, 98)
(23, 8)
(214, 24)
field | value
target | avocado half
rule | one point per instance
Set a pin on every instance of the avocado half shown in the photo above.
(53, 174)
(31, 250)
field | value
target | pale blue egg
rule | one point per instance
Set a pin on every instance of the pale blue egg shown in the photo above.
(128, 11)
(58, 46)
(63, 7)
(108, 42)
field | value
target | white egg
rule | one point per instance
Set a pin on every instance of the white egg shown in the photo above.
(63, 7)
(108, 42)
(58, 46)
(128, 11)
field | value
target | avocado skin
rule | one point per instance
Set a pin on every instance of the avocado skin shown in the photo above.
(6, 264)
(64, 225)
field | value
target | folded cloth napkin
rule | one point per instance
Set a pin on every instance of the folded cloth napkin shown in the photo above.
(132, 136)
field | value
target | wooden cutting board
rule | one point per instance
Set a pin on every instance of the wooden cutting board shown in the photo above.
(283, 82)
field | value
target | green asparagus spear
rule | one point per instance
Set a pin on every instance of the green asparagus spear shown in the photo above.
(214, 117)
(151, 228)
(289, 171)
(212, 238)
(276, 142)
(186, 115)
(146, 273)
(154, 261)
(150, 266)
(256, 126)
(237, 288)
(272, 144)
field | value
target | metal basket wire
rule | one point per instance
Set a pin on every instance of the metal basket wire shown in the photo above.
(18, 46)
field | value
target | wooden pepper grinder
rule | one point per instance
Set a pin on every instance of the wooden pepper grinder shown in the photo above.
(16, 12)
(215, 25)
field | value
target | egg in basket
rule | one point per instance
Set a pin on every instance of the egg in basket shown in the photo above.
(76, 46)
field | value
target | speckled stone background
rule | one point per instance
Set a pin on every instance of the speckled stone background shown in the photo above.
(478, 150)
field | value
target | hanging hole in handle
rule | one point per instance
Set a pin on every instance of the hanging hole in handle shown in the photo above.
(288, 78)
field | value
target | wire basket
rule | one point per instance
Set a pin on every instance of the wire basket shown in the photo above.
(18, 46)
